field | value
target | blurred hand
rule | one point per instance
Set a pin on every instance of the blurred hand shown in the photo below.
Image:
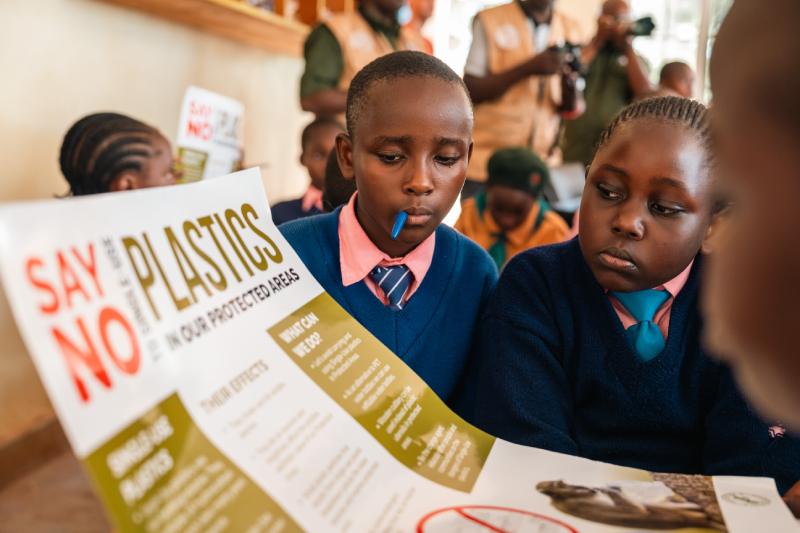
(792, 499)
(547, 63)
(569, 79)
(606, 27)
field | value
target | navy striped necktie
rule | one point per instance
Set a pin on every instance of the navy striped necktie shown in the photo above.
(394, 282)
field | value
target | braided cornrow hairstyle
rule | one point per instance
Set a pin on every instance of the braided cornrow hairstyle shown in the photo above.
(688, 113)
(691, 114)
(100, 147)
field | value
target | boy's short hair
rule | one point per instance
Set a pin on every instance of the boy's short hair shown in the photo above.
(318, 123)
(100, 147)
(338, 190)
(397, 65)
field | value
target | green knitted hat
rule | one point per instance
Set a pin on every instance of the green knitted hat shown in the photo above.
(518, 168)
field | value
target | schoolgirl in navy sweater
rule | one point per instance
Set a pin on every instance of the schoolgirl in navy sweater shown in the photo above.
(594, 347)
(409, 121)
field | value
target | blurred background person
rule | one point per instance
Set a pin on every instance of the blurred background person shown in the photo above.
(338, 190)
(511, 216)
(318, 139)
(616, 76)
(345, 43)
(421, 11)
(107, 152)
(676, 79)
(519, 85)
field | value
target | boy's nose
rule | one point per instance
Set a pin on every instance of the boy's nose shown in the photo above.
(630, 223)
(420, 182)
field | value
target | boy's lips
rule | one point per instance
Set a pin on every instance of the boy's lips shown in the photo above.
(617, 259)
(417, 216)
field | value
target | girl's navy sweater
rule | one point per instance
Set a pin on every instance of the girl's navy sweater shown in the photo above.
(557, 371)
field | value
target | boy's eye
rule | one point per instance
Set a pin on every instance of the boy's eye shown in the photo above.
(665, 210)
(608, 193)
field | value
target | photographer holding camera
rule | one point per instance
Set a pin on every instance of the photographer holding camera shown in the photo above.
(521, 75)
(616, 76)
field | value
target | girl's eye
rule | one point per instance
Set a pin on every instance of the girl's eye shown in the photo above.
(390, 158)
(447, 161)
(664, 210)
(608, 193)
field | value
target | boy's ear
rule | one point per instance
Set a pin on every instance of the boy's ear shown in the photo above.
(344, 154)
(586, 174)
(124, 182)
(716, 230)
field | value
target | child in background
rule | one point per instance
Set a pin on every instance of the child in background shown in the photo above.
(408, 145)
(509, 217)
(338, 190)
(593, 347)
(108, 152)
(317, 140)
(677, 79)
(753, 296)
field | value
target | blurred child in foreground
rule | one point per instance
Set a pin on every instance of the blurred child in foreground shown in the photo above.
(753, 298)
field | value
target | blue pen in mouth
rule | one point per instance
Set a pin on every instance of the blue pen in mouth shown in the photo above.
(398, 223)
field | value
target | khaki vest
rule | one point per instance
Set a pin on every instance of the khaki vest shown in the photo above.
(361, 44)
(527, 114)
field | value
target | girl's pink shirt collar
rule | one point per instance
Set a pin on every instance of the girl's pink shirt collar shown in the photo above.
(661, 318)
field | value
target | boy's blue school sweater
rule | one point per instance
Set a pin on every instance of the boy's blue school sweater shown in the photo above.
(433, 333)
(558, 372)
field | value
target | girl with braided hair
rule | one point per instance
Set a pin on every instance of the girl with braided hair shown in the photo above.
(107, 152)
(594, 347)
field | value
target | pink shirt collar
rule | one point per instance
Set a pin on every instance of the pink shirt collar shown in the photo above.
(358, 254)
(661, 318)
(312, 198)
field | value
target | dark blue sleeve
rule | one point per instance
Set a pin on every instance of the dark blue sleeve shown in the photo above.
(523, 394)
(739, 443)
(287, 211)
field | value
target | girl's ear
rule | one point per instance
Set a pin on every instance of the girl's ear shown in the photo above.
(124, 182)
(716, 230)
(344, 154)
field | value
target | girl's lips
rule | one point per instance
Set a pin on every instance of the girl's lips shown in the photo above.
(616, 263)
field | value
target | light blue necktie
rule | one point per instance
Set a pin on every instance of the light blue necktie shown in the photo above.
(393, 281)
(645, 336)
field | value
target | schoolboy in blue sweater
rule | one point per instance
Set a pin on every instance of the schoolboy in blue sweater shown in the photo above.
(409, 140)
(560, 371)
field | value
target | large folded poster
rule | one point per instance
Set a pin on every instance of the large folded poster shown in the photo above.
(209, 135)
(209, 384)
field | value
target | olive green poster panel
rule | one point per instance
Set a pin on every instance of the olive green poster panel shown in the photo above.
(162, 475)
(385, 396)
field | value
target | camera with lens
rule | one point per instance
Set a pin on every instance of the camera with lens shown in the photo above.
(641, 28)
(575, 50)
